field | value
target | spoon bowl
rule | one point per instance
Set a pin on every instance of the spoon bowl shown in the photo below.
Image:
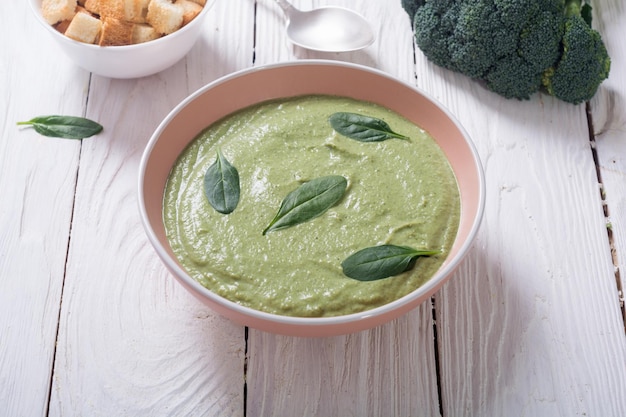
(327, 29)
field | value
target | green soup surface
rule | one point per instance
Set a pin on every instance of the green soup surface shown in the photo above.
(400, 192)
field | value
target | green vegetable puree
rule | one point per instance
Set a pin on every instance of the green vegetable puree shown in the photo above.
(401, 192)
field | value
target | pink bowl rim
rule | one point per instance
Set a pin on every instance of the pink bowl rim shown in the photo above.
(427, 289)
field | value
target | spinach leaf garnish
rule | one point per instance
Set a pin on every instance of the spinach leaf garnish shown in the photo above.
(68, 127)
(308, 201)
(377, 262)
(362, 128)
(221, 185)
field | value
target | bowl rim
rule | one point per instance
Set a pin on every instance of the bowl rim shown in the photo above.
(37, 12)
(429, 287)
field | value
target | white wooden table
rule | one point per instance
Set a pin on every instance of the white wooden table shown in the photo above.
(91, 324)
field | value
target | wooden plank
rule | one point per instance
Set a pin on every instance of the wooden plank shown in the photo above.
(37, 179)
(386, 371)
(608, 109)
(132, 341)
(530, 324)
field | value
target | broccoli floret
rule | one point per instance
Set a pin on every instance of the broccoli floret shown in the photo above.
(519, 74)
(583, 65)
(515, 47)
(411, 6)
(512, 77)
(438, 22)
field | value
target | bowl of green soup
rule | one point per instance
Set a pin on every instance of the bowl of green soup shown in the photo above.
(311, 198)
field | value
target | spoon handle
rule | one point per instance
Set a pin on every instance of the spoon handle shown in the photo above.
(286, 6)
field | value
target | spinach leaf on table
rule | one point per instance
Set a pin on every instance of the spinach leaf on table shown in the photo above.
(68, 127)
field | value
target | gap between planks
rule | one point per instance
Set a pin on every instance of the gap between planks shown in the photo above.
(606, 211)
(67, 253)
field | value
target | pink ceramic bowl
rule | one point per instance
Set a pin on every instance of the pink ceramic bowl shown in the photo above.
(254, 85)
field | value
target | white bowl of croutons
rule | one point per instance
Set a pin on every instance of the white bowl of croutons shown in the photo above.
(123, 38)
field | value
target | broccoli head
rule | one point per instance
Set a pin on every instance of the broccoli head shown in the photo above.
(516, 47)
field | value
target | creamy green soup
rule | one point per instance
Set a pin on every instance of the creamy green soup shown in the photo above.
(400, 192)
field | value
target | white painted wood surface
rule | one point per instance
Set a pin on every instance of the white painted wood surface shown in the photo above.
(91, 324)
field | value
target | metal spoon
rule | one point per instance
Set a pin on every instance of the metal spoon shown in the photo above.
(328, 29)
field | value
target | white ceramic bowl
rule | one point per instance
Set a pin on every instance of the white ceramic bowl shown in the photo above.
(255, 85)
(128, 61)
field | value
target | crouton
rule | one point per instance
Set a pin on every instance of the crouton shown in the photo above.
(55, 11)
(143, 33)
(62, 26)
(190, 10)
(121, 22)
(166, 17)
(136, 10)
(84, 28)
(115, 32)
(107, 8)
(115, 9)
(93, 6)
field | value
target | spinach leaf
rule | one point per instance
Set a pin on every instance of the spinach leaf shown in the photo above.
(308, 201)
(68, 127)
(377, 262)
(221, 185)
(362, 128)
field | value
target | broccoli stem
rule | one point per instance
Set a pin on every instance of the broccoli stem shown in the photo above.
(579, 8)
(572, 7)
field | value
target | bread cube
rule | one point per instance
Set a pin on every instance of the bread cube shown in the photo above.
(166, 17)
(115, 9)
(200, 2)
(190, 10)
(106, 8)
(136, 10)
(62, 26)
(93, 6)
(55, 11)
(115, 32)
(84, 28)
(143, 33)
